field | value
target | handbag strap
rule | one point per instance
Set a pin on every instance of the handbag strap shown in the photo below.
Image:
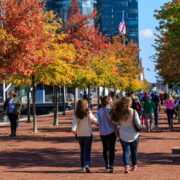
(134, 116)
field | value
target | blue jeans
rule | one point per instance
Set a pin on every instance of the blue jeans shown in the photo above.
(127, 147)
(85, 145)
(156, 116)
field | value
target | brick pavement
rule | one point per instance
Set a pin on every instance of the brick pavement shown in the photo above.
(53, 154)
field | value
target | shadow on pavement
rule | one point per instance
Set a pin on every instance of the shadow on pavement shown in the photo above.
(158, 158)
(52, 157)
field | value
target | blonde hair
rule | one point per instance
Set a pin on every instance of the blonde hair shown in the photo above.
(169, 97)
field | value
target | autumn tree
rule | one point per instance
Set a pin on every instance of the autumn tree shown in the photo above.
(22, 21)
(87, 40)
(59, 71)
(126, 63)
(168, 42)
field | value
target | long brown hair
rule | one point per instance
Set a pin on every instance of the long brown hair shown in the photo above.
(81, 109)
(120, 110)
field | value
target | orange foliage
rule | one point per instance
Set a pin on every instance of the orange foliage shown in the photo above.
(23, 21)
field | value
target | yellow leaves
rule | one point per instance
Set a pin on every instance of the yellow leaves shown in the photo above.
(58, 73)
(19, 80)
(62, 51)
(137, 85)
(3, 34)
(84, 76)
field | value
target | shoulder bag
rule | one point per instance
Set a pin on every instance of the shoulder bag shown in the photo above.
(137, 128)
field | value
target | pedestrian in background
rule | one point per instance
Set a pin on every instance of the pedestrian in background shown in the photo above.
(124, 116)
(12, 107)
(107, 133)
(90, 99)
(136, 104)
(156, 100)
(85, 96)
(169, 104)
(81, 126)
(149, 107)
(162, 98)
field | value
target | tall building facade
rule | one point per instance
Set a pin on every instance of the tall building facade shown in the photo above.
(110, 15)
(61, 7)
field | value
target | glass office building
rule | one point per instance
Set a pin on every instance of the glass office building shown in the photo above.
(61, 7)
(110, 15)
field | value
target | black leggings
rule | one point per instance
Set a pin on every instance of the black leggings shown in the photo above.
(13, 120)
(170, 113)
(108, 142)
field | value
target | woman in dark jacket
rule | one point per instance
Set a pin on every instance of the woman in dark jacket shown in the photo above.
(12, 108)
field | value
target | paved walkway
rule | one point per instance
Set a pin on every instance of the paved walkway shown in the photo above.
(53, 154)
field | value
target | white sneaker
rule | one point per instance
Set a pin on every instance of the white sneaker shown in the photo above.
(87, 169)
(82, 168)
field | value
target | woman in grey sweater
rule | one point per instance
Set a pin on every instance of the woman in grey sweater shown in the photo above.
(125, 117)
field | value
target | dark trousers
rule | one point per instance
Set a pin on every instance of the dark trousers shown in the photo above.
(170, 113)
(85, 146)
(127, 147)
(156, 116)
(162, 101)
(108, 142)
(13, 121)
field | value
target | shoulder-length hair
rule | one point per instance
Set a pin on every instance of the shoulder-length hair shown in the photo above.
(81, 109)
(105, 101)
(120, 110)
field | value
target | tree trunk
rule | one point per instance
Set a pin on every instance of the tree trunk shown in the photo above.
(98, 96)
(104, 91)
(64, 101)
(89, 96)
(55, 122)
(28, 106)
(74, 99)
(34, 105)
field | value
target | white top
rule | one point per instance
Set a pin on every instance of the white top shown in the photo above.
(127, 131)
(83, 126)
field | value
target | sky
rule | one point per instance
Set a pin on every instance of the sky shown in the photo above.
(147, 25)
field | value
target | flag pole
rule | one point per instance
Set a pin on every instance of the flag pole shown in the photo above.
(122, 29)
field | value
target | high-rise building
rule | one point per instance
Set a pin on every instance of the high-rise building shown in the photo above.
(61, 7)
(110, 15)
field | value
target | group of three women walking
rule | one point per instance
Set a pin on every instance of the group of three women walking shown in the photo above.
(114, 120)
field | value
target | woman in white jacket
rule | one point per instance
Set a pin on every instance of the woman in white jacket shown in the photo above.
(124, 116)
(81, 126)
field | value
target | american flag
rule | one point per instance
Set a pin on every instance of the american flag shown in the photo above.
(122, 26)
